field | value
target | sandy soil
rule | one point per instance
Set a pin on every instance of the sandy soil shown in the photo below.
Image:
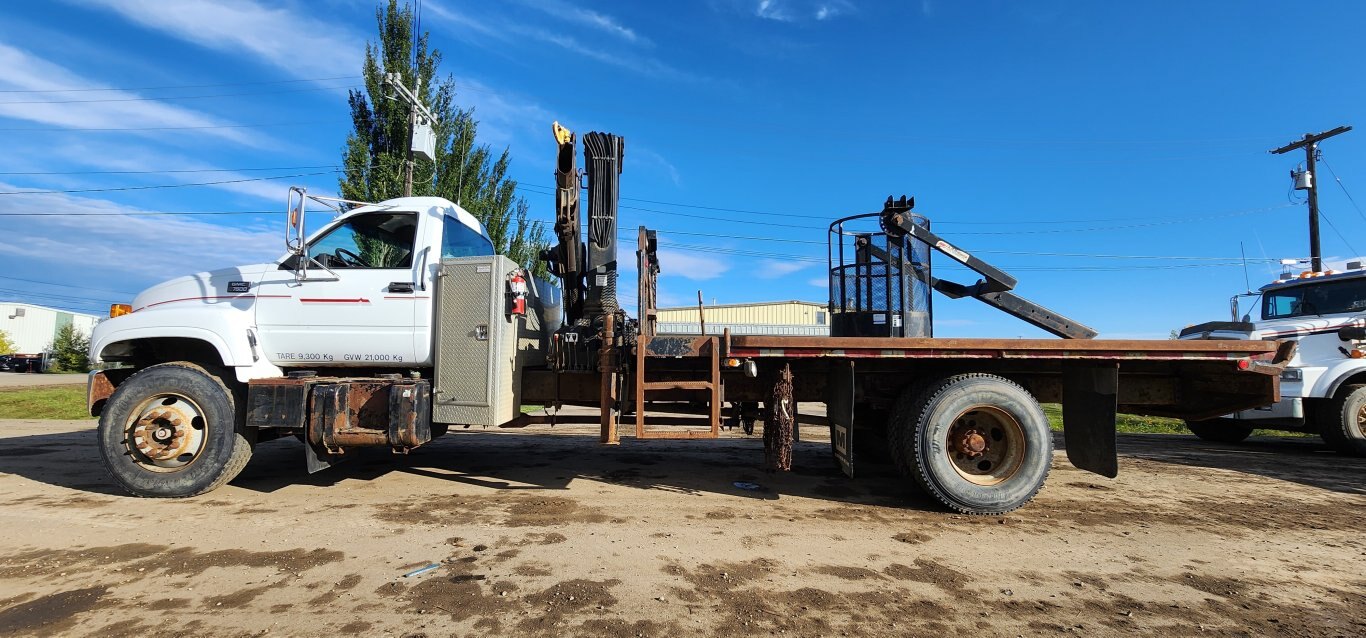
(544, 532)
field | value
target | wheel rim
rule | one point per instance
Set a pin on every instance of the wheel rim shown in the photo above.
(166, 433)
(1361, 422)
(986, 445)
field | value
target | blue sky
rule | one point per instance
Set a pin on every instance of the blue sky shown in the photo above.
(1112, 156)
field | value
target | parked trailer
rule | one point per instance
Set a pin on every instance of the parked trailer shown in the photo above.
(395, 322)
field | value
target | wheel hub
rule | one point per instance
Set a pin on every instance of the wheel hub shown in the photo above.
(166, 433)
(985, 445)
(971, 443)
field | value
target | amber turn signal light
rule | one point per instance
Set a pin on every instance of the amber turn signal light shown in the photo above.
(119, 309)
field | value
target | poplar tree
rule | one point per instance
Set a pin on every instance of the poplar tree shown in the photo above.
(463, 171)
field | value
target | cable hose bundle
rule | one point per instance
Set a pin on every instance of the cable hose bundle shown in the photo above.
(602, 158)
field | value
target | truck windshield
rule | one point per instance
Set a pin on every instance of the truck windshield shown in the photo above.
(1314, 299)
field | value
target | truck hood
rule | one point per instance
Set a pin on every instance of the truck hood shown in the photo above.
(1290, 328)
(204, 287)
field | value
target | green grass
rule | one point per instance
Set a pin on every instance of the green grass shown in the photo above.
(1134, 424)
(63, 402)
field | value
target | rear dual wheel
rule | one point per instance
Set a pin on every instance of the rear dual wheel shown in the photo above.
(978, 443)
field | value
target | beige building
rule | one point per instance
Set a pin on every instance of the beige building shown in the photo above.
(760, 318)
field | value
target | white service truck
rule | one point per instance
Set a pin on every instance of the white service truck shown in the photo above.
(1323, 387)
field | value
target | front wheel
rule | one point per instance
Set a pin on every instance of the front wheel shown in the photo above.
(978, 443)
(1343, 422)
(1219, 430)
(171, 430)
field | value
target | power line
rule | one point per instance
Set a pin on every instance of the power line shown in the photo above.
(181, 86)
(180, 97)
(1343, 187)
(151, 128)
(159, 186)
(53, 283)
(171, 171)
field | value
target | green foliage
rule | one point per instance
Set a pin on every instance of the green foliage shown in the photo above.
(70, 350)
(62, 402)
(462, 172)
(6, 345)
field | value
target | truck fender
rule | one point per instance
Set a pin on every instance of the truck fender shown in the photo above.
(1336, 376)
(228, 334)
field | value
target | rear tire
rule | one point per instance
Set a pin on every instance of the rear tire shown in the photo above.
(172, 430)
(1343, 422)
(978, 443)
(1219, 430)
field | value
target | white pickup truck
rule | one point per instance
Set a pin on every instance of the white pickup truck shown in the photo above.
(1323, 387)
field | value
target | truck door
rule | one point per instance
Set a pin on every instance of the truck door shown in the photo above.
(364, 316)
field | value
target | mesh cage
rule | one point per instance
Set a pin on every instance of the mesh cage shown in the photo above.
(879, 284)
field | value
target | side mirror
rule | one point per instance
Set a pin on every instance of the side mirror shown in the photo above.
(1352, 333)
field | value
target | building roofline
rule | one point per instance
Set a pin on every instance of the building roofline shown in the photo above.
(753, 303)
(4, 302)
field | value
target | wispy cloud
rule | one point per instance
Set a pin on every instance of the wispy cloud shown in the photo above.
(675, 263)
(819, 282)
(23, 71)
(774, 268)
(499, 32)
(293, 41)
(587, 17)
(655, 159)
(801, 10)
(80, 234)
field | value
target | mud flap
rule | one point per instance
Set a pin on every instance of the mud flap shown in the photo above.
(839, 409)
(1089, 396)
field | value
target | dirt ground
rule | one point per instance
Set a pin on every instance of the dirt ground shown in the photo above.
(544, 532)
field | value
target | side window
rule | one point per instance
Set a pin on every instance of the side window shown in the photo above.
(459, 240)
(374, 240)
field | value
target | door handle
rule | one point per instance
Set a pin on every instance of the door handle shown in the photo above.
(400, 286)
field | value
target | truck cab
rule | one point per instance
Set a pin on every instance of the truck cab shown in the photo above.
(357, 293)
(1323, 387)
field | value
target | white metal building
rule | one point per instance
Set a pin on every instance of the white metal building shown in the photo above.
(790, 317)
(32, 328)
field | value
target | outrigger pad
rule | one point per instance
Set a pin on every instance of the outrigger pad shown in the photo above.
(1089, 402)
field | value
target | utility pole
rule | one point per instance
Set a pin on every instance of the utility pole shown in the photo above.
(420, 140)
(1310, 144)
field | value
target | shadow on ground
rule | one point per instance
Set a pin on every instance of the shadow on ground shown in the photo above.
(528, 461)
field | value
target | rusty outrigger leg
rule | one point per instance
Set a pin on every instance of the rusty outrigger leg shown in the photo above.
(608, 392)
(782, 416)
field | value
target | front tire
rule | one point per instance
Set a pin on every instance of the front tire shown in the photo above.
(172, 430)
(1219, 430)
(978, 443)
(1343, 425)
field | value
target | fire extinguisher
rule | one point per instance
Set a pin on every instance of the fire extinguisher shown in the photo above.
(517, 287)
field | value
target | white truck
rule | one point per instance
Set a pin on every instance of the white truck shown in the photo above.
(396, 321)
(1323, 386)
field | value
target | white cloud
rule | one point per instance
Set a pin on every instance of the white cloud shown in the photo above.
(653, 158)
(673, 263)
(500, 33)
(819, 282)
(587, 17)
(775, 268)
(107, 157)
(772, 10)
(23, 71)
(88, 234)
(800, 10)
(291, 40)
